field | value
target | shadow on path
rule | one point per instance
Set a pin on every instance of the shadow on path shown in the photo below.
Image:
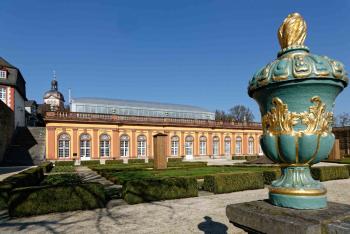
(211, 227)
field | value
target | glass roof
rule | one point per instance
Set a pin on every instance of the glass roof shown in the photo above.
(138, 104)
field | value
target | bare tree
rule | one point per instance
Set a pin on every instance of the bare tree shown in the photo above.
(241, 113)
(342, 120)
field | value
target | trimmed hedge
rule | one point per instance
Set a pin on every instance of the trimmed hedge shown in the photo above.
(136, 160)
(174, 159)
(57, 198)
(245, 157)
(270, 176)
(329, 173)
(61, 179)
(118, 161)
(64, 163)
(90, 162)
(232, 182)
(47, 166)
(30, 177)
(156, 189)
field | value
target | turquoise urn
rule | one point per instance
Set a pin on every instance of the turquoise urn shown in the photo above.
(296, 95)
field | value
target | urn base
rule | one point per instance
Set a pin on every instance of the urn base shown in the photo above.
(297, 189)
(298, 202)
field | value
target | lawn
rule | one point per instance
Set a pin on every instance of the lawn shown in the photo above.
(121, 177)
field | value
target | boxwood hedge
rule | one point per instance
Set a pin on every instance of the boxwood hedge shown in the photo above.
(29, 177)
(136, 160)
(155, 189)
(270, 176)
(64, 163)
(117, 161)
(232, 182)
(330, 173)
(55, 198)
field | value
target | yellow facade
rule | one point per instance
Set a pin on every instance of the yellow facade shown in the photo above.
(74, 129)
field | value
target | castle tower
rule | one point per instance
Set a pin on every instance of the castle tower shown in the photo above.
(53, 97)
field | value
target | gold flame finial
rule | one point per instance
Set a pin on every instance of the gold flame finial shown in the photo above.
(292, 31)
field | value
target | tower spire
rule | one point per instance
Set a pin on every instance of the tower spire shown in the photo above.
(54, 83)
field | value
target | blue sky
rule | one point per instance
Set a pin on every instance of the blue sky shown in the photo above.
(198, 52)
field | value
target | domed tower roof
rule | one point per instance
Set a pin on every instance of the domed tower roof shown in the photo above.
(53, 92)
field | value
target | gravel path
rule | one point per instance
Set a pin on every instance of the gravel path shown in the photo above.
(191, 215)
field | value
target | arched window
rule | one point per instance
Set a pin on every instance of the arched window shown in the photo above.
(141, 146)
(227, 146)
(189, 145)
(251, 145)
(238, 145)
(202, 145)
(63, 145)
(85, 146)
(105, 145)
(174, 146)
(124, 146)
(216, 142)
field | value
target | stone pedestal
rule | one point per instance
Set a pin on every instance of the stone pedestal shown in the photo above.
(160, 149)
(262, 217)
(335, 153)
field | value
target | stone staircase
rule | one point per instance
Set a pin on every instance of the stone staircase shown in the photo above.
(27, 147)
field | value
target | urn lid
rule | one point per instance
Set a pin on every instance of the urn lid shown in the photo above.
(294, 61)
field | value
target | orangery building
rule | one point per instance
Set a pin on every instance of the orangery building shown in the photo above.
(96, 128)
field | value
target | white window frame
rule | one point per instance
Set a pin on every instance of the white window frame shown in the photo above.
(63, 146)
(141, 146)
(251, 145)
(85, 146)
(189, 146)
(105, 145)
(174, 146)
(216, 145)
(202, 145)
(124, 146)
(227, 146)
(3, 74)
(238, 145)
(3, 94)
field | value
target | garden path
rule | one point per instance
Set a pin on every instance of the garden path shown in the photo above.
(205, 214)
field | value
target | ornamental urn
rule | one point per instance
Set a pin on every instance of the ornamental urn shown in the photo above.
(296, 95)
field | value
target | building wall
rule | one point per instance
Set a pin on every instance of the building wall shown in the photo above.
(53, 131)
(19, 109)
(6, 127)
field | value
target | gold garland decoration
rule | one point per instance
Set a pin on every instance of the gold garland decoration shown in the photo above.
(279, 120)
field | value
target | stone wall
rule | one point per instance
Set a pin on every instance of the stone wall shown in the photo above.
(6, 127)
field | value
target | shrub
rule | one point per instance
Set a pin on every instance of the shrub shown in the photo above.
(62, 179)
(90, 162)
(232, 182)
(150, 160)
(238, 157)
(136, 160)
(174, 160)
(47, 166)
(5, 189)
(348, 167)
(30, 177)
(57, 198)
(155, 189)
(118, 161)
(330, 173)
(270, 176)
(63, 169)
(187, 164)
(64, 163)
